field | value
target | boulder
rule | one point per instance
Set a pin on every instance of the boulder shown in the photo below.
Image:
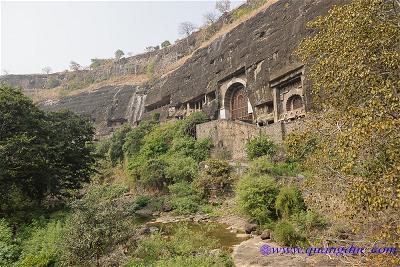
(250, 227)
(266, 234)
(167, 207)
(153, 229)
(144, 230)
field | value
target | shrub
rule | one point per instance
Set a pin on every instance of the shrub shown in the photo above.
(150, 69)
(117, 141)
(134, 138)
(216, 179)
(52, 82)
(216, 168)
(166, 43)
(99, 223)
(185, 247)
(189, 123)
(44, 247)
(308, 220)
(286, 235)
(158, 141)
(256, 197)
(8, 248)
(181, 169)
(196, 149)
(289, 201)
(102, 147)
(184, 198)
(152, 174)
(263, 165)
(140, 202)
(260, 146)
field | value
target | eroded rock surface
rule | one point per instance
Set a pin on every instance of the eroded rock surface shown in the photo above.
(247, 254)
(107, 107)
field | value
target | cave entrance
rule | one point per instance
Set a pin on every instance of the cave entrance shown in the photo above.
(238, 103)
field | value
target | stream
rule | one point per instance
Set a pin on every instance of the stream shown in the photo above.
(219, 231)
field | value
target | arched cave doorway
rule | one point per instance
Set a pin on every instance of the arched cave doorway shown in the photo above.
(294, 102)
(237, 102)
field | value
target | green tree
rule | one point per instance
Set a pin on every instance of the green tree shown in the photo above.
(118, 54)
(166, 43)
(74, 66)
(41, 154)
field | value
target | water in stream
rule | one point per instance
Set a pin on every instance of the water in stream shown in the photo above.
(215, 230)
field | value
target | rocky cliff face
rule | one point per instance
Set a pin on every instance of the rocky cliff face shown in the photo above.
(107, 107)
(257, 51)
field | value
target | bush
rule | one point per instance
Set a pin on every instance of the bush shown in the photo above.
(308, 220)
(152, 174)
(140, 202)
(117, 141)
(181, 169)
(190, 147)
(260, 146)
(216, 179)
(166, 43)
(9, 250)
(44, 247)
(102, 147)
(134, 138)
(256, 197)
(189, 123)
(286, 235)
(100, 222)
(289, 201)
(263, 165)
(184, 198)
(185, 247)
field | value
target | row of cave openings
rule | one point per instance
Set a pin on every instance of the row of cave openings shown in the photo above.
(236, 104)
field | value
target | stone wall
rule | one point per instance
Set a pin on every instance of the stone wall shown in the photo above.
(232, 136)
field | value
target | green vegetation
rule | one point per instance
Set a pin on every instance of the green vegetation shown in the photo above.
(118, 54)
(8, 248)
(185, 199)
(216, 180)
(184, 248)
(260, 146)
(44, 246)
(286, 235)
(96, 62)
(256, 197)
(166, 43)
(42, 155)
(263, 196)
(99, 223)
(289, 201)
(150, 69)
(264, 165)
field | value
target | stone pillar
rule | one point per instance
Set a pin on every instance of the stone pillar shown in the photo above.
(276, 98)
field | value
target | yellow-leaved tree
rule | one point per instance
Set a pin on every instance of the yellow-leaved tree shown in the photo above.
(351, 141)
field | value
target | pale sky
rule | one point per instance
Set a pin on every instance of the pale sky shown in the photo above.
(52, 33)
